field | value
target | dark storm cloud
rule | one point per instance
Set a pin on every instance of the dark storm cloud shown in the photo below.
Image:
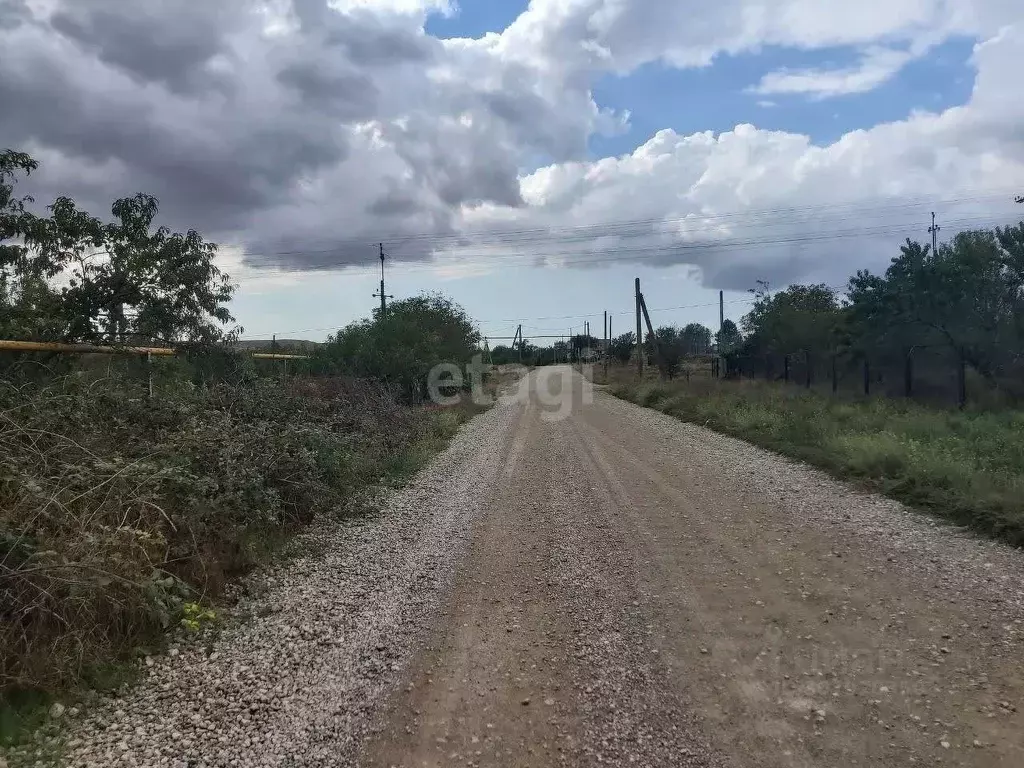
(370, 43)
(212, 162)
(13, 13)
(151, 41)
(246, 125)
(460, 166)
(349, 96)
(393, 203)
(210, 177)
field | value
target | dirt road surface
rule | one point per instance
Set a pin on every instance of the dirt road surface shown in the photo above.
(579, 581)
(638, 591)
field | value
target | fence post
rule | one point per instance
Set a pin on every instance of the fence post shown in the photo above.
(867, 376)
(785, 369)
(807, 356)
(149, 372)
(961, 379)
(835, 377)
(908, 373)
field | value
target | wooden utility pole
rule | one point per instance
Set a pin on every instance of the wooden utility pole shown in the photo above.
(606, 346)
(650, 329)
(639, 333)
(721, 330)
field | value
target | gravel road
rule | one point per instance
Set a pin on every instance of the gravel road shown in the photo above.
(613, 587)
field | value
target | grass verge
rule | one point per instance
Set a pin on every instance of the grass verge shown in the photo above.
(966, 467)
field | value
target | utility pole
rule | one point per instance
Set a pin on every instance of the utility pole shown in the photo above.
(608, 349)
(604, 349)
(934, 229)
(383, 296)
(639, 333)
(650, 332)
(721, 313)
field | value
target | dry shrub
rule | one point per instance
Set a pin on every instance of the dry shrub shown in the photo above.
(115, 510)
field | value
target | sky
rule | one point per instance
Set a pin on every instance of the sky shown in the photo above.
(527, 159)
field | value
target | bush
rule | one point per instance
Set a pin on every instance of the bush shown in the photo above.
(400, 347)
(117, 511)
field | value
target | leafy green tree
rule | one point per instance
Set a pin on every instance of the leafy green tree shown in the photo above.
(802, 317)
(670, 349)
(28, 305)
(621, 347)
(400, 346)
(12, 209)
(503, 355)
(695, 339)
(729, 339)
(125, 282)
(968, 297)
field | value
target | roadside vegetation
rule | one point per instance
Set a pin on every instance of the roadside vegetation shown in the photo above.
(132, 492)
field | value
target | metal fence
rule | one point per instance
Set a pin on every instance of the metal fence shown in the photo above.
(935, 374)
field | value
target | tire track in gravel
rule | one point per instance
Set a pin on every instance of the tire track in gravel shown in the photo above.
(544, 656)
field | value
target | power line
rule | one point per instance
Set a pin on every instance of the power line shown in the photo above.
(511, 233)
(582, 316)
(627, 253)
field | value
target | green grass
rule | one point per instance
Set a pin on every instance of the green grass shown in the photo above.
(967, 467)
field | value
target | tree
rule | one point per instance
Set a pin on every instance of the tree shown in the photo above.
(621, 347)
(695, 339)
(12, 209)
(503, 354)
(28, 305)
(729, 338)
(124, 281)
(670, 348)
(967, 297)
(802, 317)
(401, 346)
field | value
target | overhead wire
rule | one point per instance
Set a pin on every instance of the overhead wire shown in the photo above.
(620, 252)
(886, 203)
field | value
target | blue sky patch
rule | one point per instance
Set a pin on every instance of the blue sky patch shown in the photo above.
(475, 18)
(718, 98)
